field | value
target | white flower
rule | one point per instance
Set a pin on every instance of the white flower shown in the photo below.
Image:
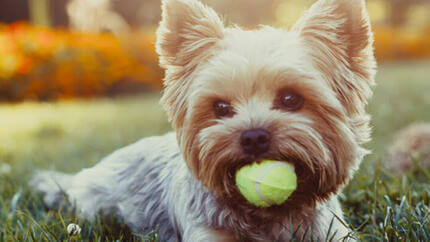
(73, 229)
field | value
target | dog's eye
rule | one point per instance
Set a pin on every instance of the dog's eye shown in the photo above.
(291, 101)
(223, 109)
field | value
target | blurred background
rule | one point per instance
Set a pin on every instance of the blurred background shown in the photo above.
(71, 70)
(63, 49)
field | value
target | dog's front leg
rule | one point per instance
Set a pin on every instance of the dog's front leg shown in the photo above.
(198, 232)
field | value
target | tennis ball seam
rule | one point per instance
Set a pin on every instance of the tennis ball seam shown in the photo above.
(263, 174)
(266, 183)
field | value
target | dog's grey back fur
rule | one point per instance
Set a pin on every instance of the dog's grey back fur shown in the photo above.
(132, 183)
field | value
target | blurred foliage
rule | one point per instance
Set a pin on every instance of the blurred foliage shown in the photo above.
(400, 44)
(44, 64)
(49, 64)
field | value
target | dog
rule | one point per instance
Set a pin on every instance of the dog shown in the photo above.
(296, 95)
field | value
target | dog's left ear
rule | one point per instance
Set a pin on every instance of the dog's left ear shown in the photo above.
(340, 41)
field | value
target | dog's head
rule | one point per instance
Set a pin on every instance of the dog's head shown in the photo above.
(237, 96)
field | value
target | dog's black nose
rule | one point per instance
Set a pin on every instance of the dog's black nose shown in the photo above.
(255, 141)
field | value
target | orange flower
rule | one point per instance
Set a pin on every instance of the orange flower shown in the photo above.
(42, 63)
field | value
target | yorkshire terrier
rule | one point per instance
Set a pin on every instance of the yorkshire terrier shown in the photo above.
(296, 96)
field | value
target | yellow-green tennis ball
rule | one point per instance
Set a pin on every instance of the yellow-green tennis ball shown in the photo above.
(266, 183)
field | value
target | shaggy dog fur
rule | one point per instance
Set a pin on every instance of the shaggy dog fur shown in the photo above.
(412, 142)
(305, 88)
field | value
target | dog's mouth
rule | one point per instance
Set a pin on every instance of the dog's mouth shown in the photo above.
(248, 161)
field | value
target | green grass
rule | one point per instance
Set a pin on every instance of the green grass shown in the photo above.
(68, 136)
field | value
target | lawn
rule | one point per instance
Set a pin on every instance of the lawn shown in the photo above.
(70, 135)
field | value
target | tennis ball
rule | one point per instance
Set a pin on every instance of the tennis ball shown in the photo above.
(266, 183)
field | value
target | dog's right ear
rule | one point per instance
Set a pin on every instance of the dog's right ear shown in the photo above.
(187, 34)
(187, 31)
